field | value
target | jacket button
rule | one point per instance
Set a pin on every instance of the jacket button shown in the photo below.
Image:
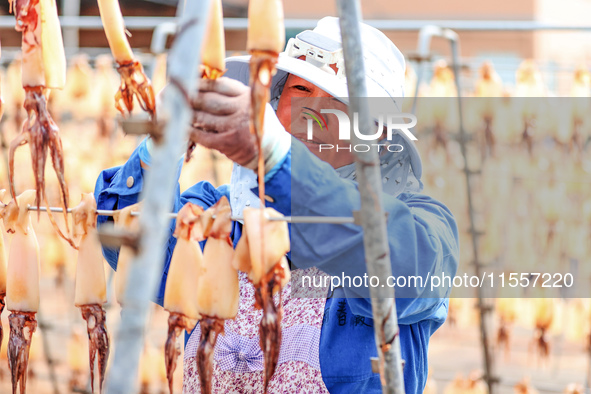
(130, 181)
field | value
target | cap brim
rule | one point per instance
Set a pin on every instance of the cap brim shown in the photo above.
(238, 69)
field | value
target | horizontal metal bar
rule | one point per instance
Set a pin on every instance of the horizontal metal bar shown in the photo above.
(101, 212)
(289, 219)
(240, 24)
(94, 22)
(471, 25)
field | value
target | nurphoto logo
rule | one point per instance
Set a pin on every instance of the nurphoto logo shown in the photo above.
(392, 122)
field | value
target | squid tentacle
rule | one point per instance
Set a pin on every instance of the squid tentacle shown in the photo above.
(270, 325)
(135, 83)
(42, 135)
(57, 159)
(95, 317)
(211, 327)
(35, 105)
(176, 323)
(22, 327)
(262, 68)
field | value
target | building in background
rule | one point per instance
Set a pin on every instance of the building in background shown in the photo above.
(556, 52)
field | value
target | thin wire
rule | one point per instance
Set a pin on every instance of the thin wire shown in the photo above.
(289, 219)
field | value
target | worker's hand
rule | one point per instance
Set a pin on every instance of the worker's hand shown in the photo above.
(221, 119)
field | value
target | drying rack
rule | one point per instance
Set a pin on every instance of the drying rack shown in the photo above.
(424, 55)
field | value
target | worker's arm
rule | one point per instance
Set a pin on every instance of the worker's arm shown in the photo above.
(422, 233)
(221, 119)
(119, 187)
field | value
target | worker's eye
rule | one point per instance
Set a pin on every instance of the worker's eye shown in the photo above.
(301, 88)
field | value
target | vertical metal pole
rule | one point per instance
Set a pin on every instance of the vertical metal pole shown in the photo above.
(375, 238)
(484, 310)
(158, 194)
(71, 39)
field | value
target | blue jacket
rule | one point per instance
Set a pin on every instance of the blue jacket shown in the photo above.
(423, 241)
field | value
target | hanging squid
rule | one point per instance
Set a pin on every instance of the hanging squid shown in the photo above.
(529, 83)
(213, 52)
(488, 86)
(268, 270)
(22, 285)
(507, 311)
(524, 387)
(218, 291)
(43, 68)
(544, 316)
(125, 220)
(91, 287)
(180, 298)
(266, 39)
(134, 82)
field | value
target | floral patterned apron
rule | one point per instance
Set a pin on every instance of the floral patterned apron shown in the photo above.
(238, 358)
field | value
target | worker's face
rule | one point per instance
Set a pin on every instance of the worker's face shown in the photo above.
(316, 98)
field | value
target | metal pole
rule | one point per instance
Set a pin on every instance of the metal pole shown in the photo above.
(483, 309)
(240, 24)
(71, 8)
(375, 239)
(424, 53)
(289, 219)
(158, 194)
(158, 44)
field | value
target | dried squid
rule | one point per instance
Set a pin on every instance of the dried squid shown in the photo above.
(134, 82)
(528, 83)
(217, 290)
(442, 85)
(488, 86)
(213, 52)
(43, 68)
(125, 220)
(524, 387)
(544, 316)
(266, 39)
(22, 286)
(91, 287)
(180, 295)
(267, 268)
(507, 311)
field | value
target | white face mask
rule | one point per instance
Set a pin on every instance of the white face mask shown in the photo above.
(397, 175)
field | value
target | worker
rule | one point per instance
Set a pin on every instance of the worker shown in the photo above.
(328, 341)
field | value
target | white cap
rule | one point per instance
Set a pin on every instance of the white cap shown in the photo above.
(384, 66)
